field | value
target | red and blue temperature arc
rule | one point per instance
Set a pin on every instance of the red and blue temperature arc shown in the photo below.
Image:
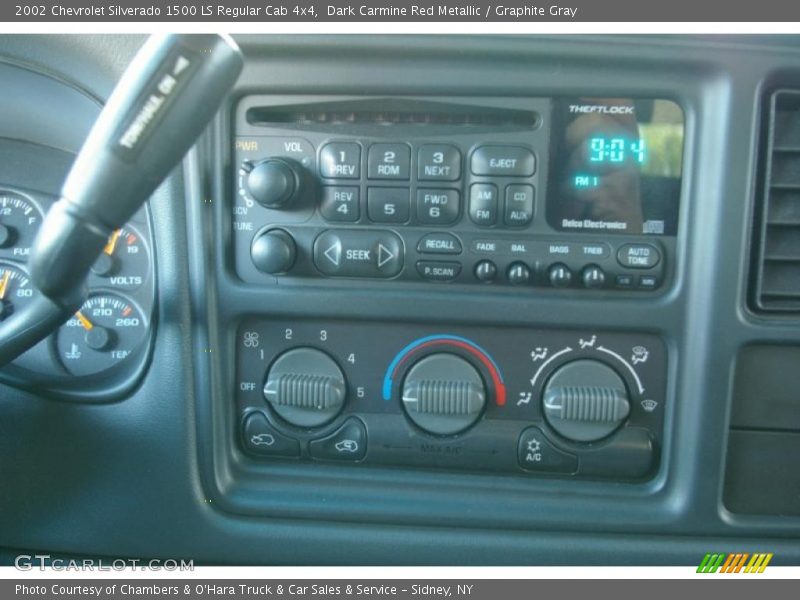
(446, 340)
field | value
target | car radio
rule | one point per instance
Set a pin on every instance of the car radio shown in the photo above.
(578, 193)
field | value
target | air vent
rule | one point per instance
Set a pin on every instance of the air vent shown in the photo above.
(778, 278)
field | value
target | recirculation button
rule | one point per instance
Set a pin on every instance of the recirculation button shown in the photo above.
(260, 437)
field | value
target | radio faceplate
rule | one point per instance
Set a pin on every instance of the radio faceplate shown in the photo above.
(457, 191)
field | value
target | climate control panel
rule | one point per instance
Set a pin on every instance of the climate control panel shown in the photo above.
(521, 401)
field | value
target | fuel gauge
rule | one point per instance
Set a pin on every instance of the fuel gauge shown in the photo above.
(19, 222)
(124, 263)
(103, 333)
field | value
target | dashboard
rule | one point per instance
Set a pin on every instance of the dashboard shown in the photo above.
(420, 300)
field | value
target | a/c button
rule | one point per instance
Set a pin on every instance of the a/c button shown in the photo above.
(536, 453)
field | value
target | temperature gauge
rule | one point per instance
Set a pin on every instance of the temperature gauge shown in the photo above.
(19, 222)
(103, 333)
(124, 263)
(16, 289)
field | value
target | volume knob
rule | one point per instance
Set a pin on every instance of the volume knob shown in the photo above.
(274, 182)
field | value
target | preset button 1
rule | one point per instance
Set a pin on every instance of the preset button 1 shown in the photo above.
(340, 160)
(358, 253)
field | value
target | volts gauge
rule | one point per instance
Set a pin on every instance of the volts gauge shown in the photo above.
(103, 333)
(124, 263)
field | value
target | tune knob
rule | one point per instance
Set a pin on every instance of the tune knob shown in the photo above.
(585, 400)
(443, 394)
(274, 182)
(305, 387)
(273, 251)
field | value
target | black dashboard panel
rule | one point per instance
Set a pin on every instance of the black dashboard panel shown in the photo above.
(176, 460)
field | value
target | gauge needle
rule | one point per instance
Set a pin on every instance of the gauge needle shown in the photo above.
(112, 242)
(87, 324)
(4, 284)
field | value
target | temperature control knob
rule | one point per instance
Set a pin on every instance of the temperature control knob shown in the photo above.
(274, 182)
(586, 400)
(305, 387)
(443, 394)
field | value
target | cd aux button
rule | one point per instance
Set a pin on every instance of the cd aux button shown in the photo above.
(519, 205)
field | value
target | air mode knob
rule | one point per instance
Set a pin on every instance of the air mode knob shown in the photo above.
(274, 182)
(585, 400)
(305, 387)
(443, 394)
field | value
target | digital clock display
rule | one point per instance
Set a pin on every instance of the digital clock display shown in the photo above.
(615, 166)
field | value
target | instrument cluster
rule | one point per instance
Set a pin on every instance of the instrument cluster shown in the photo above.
(107, 337)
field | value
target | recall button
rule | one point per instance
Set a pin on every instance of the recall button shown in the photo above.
(358, 253)
(438, 270)
(439, 243)
(638, 256)
(508, 161)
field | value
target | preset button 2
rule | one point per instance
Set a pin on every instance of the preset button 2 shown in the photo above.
(389, 161)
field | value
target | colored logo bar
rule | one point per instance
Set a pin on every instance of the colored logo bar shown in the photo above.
(719, 562)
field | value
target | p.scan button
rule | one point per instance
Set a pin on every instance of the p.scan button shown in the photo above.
(358, 253)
